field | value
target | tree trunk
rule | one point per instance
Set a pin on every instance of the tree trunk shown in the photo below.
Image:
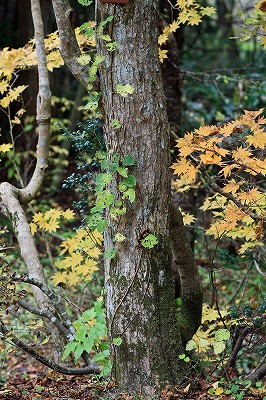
(139, 282)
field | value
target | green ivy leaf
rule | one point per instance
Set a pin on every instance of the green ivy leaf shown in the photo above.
(122, 186)
(81, 333)
(115, 122)
(129, 194)
(78, 350)
(191, 344)
(119, 238)
(109, 254)
(106, 369)
(117, 341)
(84, 59)
(128, 161)
(149, 241)
(108, 19)
(101, 226)
(122, 171)
(88, 315)
(85, 3)
(124, 90)
(111, 46)
(218, 347)
(69, 348)
(222, 334)
(102, 355)
(130, 181)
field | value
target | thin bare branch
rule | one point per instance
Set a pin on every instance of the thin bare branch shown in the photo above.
(91, 369)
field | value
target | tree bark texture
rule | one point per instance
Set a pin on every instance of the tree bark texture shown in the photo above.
(139, 282)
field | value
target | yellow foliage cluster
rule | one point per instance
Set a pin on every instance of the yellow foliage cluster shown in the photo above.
(191, 13)
(211, 335)
(79, 253)
(80, 261)
(231, 159)
(49, 221)
(14, 60)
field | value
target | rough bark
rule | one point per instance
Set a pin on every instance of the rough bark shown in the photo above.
(139, 282)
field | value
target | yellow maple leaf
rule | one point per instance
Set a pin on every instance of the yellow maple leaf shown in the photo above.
(229, 128)
(15, 120)
(183, 16)
(15, 93)
(207, 11)
(5, 101)
(4, 148)
(188, 219)
(68, 214)
(59, 277)
(39, 219)
(3, 85)
(258, 139)
(187, 140)
(231, 187)
(174, 26)
(242, 154)
(207, 130)
(72, 278)
(194, 19)
(162, 54)
(250, 196)
(33, 228)
(50, 226)
(185, 168)
(227, 170)
(249, 246)
(210, 158)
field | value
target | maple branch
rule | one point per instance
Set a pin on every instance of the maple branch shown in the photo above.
(241, 283)
(51, 295)
(229, 196)
(12, 208)
(69, 47)
(46, 314)
(258, 374)
(237, 346)
(43, 110)
(91, 369)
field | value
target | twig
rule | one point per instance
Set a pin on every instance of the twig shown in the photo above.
(51, 295)
(241, 283)
(92, 369)
(258, 374)
(46, 314)
(241, 337)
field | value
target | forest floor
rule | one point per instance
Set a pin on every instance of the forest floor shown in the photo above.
(25, 379)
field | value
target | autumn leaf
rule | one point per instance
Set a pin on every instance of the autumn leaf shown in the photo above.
(258, 139)
(68, 214)
(231, 187)
(4, 148)
(188, 219)
(162, 54)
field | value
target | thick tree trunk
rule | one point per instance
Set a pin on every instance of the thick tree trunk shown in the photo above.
(139, 282)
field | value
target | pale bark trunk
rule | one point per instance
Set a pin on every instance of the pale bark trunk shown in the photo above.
(11, 198)
(139, 282)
